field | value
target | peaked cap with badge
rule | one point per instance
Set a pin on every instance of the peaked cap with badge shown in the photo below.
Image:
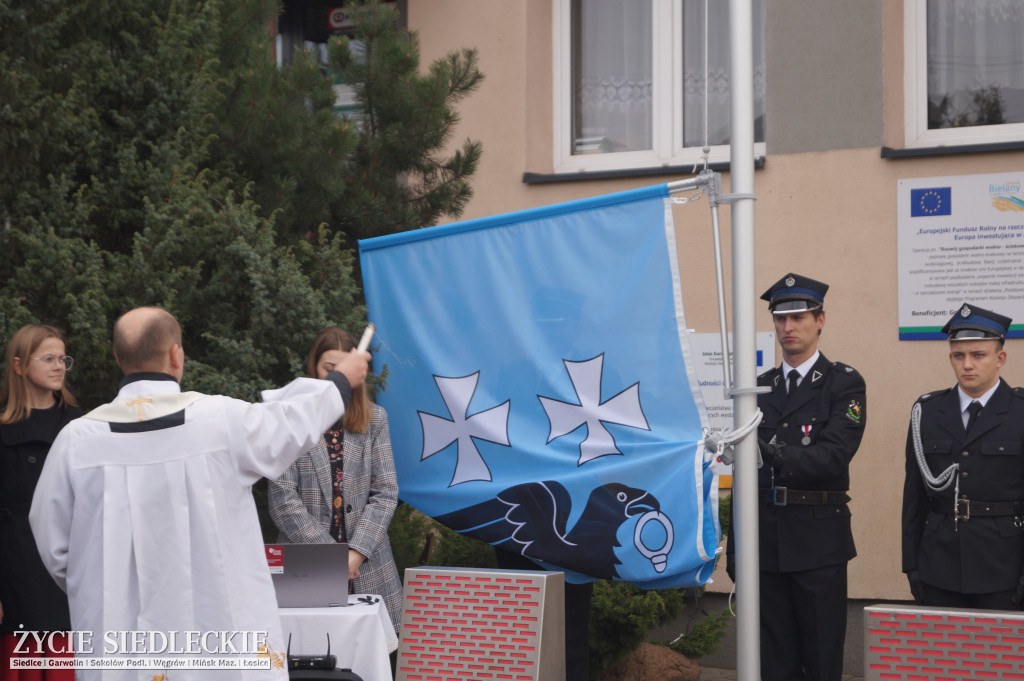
(795, 293)
(974, 323)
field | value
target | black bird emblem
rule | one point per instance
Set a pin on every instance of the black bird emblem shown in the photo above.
(530, 519)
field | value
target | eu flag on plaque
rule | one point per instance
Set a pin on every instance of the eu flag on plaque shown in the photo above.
(541, 392)
(931, 201)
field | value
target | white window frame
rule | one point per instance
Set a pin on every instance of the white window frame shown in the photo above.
(666, 100)
(915, 97)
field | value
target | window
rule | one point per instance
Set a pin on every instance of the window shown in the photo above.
(964, 72)
(629, 83)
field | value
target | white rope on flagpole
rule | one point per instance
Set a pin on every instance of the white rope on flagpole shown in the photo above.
(721, 439)
(707, 82)
(706, 151)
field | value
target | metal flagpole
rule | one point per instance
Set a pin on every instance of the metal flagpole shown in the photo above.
(744, 493)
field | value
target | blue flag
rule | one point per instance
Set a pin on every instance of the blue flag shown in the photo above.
(540, 391)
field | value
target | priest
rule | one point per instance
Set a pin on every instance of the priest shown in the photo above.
(144, 512)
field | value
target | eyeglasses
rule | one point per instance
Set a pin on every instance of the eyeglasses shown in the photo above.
(51, 361)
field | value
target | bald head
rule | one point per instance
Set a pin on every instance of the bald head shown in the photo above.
(148, 339)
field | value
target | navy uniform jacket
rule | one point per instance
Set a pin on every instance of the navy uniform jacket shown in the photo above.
(829, 404)
(980, 555)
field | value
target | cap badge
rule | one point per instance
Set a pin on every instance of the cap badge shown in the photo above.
(790, 281)
(965, 311)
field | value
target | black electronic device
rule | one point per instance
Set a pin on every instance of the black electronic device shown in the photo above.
(326, 661)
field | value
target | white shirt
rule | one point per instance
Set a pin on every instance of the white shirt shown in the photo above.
(802, 369)
(965, 400)
(157, 530)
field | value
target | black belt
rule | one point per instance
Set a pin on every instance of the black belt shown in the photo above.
(966, 509)
(786, 496)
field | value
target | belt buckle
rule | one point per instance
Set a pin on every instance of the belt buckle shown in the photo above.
(780, 496)
(966, 503)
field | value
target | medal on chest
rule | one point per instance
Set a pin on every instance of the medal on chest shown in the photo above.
(806, 439)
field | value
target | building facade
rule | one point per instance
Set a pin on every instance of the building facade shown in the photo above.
(587, 97)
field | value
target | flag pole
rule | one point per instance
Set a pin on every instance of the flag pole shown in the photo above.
(744, 503)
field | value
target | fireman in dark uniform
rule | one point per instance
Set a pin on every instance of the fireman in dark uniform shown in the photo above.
(963, 497)
(813, 423)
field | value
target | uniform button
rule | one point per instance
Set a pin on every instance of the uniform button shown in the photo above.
(964, 474)
(1001, 449)
(31, 459)
(785, 425)
(964, 453)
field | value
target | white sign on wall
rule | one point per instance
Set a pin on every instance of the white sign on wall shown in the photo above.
(961, 239)
(707, 352)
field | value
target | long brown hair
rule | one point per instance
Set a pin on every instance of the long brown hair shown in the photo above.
(14, 402)
(357, 415)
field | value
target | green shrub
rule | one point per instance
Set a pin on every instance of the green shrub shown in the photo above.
(620, 617)
(408, 533)
(704, 637)
(455, 550)
(419, 540)
(724, 511)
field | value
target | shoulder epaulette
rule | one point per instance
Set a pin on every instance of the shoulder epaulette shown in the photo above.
(1018, 392)
(935, 393)
(844, 368)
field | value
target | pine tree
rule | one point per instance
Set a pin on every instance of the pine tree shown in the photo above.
(102, 115)
(277, 130)
(152, 152)
(381, 171)
(402, 177)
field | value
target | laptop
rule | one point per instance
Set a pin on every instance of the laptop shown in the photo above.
(309, 575)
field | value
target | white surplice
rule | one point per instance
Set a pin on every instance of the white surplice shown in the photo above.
(157, 531)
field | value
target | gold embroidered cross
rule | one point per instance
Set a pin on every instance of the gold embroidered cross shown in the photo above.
(138, 403)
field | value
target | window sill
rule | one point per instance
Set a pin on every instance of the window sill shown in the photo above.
(889, 152)
(549, 178)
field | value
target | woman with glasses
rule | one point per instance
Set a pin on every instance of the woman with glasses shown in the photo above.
(34, 405)
(345, 488)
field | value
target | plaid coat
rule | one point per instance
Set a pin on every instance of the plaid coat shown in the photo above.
(300, 505)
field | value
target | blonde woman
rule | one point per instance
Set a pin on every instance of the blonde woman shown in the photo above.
(34, 405)
(345, 488)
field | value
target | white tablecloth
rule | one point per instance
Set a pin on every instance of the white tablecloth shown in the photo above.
(361, 635)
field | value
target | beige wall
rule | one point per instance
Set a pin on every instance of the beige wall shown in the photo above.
(826, 93)
(830, 215)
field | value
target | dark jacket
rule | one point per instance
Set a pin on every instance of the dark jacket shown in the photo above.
(821, 428)
(980, 554)
(28, 593)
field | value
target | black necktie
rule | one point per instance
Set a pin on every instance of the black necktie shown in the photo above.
(794, 376)
(972, 410)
